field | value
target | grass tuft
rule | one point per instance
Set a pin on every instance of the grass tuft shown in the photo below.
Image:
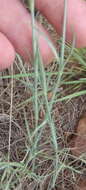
(39, 111)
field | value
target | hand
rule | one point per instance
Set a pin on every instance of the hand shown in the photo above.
(16, 32)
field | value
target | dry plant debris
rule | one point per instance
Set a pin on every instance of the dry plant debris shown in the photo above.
(79, 141)
(79, 147)
(82, 184)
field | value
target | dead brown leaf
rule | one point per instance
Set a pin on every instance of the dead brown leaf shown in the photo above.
(50, 94)
(81, 185)
(79, 141)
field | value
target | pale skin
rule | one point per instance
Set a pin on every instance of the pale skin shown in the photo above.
(16, 32)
